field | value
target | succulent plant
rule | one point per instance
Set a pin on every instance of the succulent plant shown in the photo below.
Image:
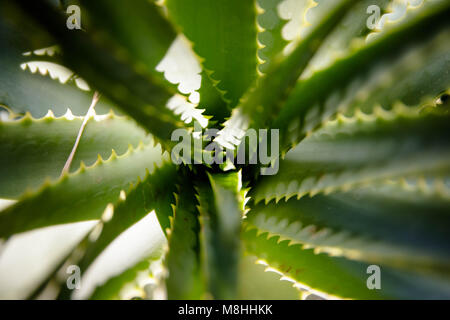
(361, 174)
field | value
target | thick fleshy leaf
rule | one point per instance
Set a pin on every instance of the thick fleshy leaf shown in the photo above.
(54, 278)
(88, 191)
(143, 242)
(46, 245)
(227, 47)
(126, 285)
(36, 93)
(155, 192)
(183, 260)
(146, 36)
(270, 37)
(32, 150)
(182, 68)
(392, 224)
(322, 94)
(349, 152)
(416, 78)
(263, 102)
(18, 30)
(257, 284)
(99, 62)
(112, 288)
(212, 101)
(221, 210)
(350, 30)
(338, 276)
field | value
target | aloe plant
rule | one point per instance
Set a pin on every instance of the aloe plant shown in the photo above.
(364, 153)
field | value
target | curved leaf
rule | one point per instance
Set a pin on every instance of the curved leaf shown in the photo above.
(114, 288)
(347, 33)
(36, 93)
(349, 152)
(211, 100)
(227, 47)
(183, 260)
(262, 103)
(112, 72)
(387, 224)
(88, 191)
(32, 150)
(53, 278)
(146, 37)
(155, 192)
(270, 37)
(257, 284)
(418, 77)
(339, 277)
(221, 208)
(321, 94)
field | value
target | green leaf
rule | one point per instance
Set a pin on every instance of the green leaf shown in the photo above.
(337, 276)
(263, 102)
(322, 93)
(35, 149)
(18, 30)
(146, 36)
(348, 32)
(183, 260)
(227, 47)
(111, 289)
(266, 100)
(112, 72)
(350, 152)
(155, 192)
(211, 100)
(270, 37)
(417, 78)
(392, 224)
(331, 275)
(88, 191)
(52, 278)
(116, 225)
(221, 207)
(257, 284)
(114, 288)
(36, 93)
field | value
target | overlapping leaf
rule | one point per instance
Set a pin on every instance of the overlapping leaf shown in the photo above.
(418, 77)
(338, 276)
(146, 37)
(348, 33)
(270, 37)
(155, 192)
(350, 152)
(35, 149)
(263, 102)
(82, 195)
(221, 208)
(114, 288)
(322, 93)
(183, 260)
(390, 224)
(36, 93)
(348, 213)
(112, 72)
(227, 47)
